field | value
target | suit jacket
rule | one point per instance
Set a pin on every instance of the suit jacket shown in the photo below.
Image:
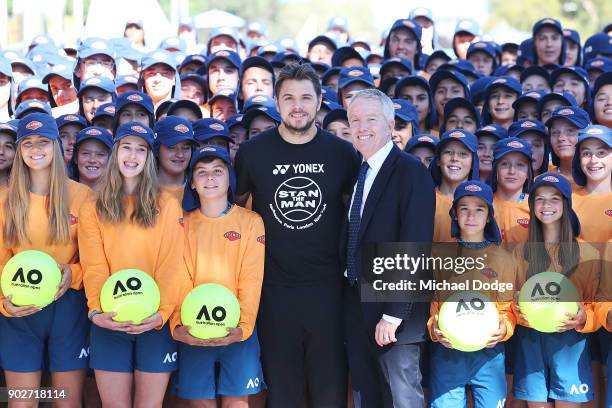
(400, 207)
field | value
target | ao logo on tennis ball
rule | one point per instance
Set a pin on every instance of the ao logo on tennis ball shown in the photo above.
(131, 284)
(298, 198)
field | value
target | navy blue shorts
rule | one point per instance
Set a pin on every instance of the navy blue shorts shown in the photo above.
(55, 339)
(552, 366)
(240, 371)
(152, 352)
(453, 371)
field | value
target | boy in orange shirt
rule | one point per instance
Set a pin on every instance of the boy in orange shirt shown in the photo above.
(225, 244)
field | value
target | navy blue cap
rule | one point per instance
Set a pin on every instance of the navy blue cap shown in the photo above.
(547, 22)
(9, 127)
(535, 70)
(32, 82)
(200, 59)
(507, 82)
(531, 96)
(477, 88)
(325, 39)
(406, 111)
(575, 115)
(507, 146)
(598, 43)
(223, 31)
(5, 67)
(32, 104)
(344, 53)
(334, 115)
(435, 55)
(99, 82)
(70, 119)
(172, 130)
(24, 62)
(403, 62)
(355, 74)
(468, 140)
(106, 109)
(456, 76)
(256, 61)
(565, 188)
(41, 40)
(416, 80)
(231, 56)
(124, 49)
(481, 46)
(504, 70)
(331, 71)
(467, 25)
(258, 100)
(455, 103)
(122, 80)
(599, 132)
(572, 35)
(269, 48)
(228, 94)
(566, 98)
(135, 129)
(522, 126)
(64, 70)
(206, 129)
(95, 45)
(494, 130)
(460, 65)
(412, 26)
(422, 139)
(134, 98)
(603, 79)
(234, 120)
(191, 199)
(173, 43)
(576, 71)
(421, 12)
(602, 64)
(158, 57)
(319, 67)
(329, 94)
(253, 112)
(39, 124)
(185, 103)
(475, 188)
(95, 133)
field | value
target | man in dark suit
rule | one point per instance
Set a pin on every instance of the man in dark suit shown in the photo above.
(393, 200)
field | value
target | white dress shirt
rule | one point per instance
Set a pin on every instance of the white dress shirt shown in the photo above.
(375, 163)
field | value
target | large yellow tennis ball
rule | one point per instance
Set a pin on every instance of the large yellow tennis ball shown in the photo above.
(209, 309)
(132, 294)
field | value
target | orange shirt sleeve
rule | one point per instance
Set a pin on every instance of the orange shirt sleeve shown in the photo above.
(250, 277)
(93, 259)
(171, 271)
(186, 286)
(5, 254)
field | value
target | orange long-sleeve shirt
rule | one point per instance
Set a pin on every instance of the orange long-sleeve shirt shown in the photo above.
(442, 220)
(108, 248)
(228, 250)
(603, 305)
(512, 219)
(174, 191)
(499, 267)
(595, 214)
(37, 231)
(585, 277)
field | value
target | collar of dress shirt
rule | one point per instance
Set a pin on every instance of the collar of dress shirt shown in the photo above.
(376, 161)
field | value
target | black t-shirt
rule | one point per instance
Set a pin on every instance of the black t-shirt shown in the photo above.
(298, 191)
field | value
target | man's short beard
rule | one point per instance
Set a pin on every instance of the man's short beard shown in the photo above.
(300, 130)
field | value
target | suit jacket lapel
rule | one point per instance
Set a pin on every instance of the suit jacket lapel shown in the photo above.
(381, 180)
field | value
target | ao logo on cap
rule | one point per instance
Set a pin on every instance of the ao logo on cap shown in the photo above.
(93, 81)
(259, 98)
(93, 132)
(138, 129)
(397, 106)
(57, 68)
(489, 128)
(109, 109)
(534, 95)
(499, 81)
(425, 139)
(159, 56)
(34, 125)
(548, 21)
(216, 126)
(134, 98)
(528, 124)
(355, 73)
(223, 54)
(71, 118)
(99, 45)
(516, 144)
(473, 188)
(594, 131)
(208, 149)
(457, 134)
(566, 112)
(181, 128)
(480, 45)
(598, 63)
(551, 179)
(298, 199)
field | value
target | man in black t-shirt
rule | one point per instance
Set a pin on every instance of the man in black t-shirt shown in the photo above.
(298, 176)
